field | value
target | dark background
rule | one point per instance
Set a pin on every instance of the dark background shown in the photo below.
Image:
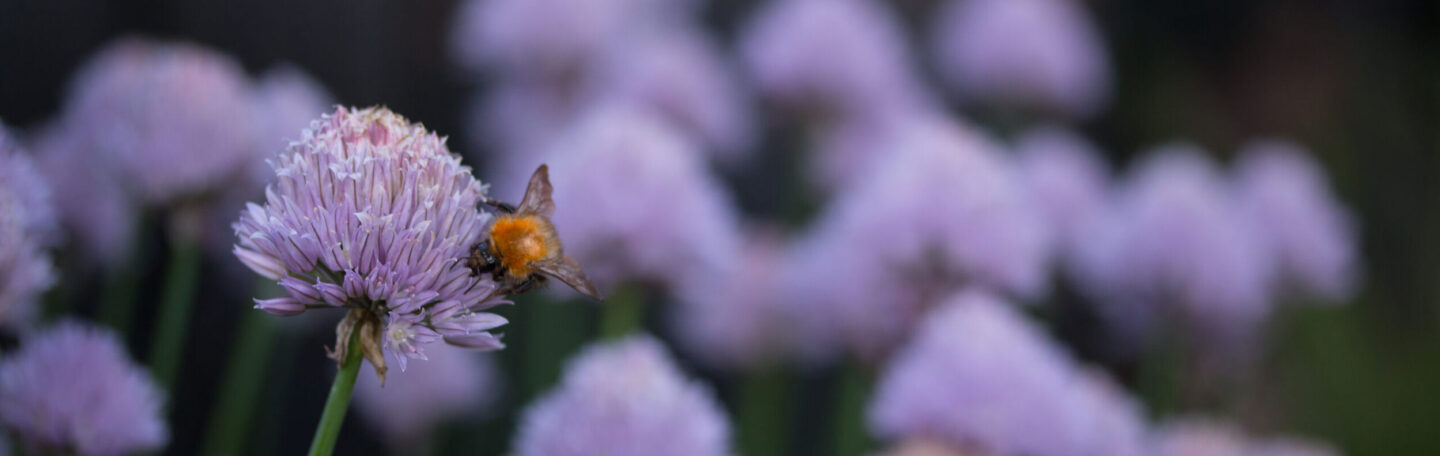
(1356, 81)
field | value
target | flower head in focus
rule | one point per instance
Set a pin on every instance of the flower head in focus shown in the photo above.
(73, 389)
(27, 226)
(624, 398)
(372, 213)
(452, 383)
(171, 118)
(844, 57)
(1043, 54)
(1311, 234)
(944, 212)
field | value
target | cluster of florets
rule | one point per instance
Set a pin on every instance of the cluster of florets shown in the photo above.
(373, 214)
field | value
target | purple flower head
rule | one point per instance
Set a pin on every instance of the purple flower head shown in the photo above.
(1065, 175)
(1035, 53)
(547, 38)
(1199, 436)
(453, 383)
(1175, 244)
(72, 389)
(624, 398)
(26, 226)
(372, 213)
(172, 118)
(945, 210)
(1311, 234)
(97, 214)
(286, 100)
(28, 191)
(980, 377)
(650, 209)
(844, 57)
(737, 319)
(686, 80)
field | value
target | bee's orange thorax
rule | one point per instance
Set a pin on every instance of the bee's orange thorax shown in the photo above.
(520, 240)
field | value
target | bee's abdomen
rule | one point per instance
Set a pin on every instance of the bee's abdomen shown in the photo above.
(520, 240)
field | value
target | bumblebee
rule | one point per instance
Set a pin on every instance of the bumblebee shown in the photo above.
(522, 247)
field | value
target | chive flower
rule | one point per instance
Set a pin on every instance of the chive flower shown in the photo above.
(373, 214)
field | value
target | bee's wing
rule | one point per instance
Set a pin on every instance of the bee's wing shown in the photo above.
(567, 270)
(537, 194)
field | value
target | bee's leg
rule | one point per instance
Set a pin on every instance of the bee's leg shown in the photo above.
(501, 205)
(528, 284)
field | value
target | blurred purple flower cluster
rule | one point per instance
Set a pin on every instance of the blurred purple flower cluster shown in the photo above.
(931, 243)
(72, 389)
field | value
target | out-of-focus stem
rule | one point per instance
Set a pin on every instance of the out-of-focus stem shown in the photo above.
(622, 313)
(117, 303)
(242, 381)
(764, 412)
(171, 325)
(328, 431)
(849, 424)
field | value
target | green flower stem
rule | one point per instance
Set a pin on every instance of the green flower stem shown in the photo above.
(182, 273)
(622, 313)
(764, 412)
(243, 379)
(849, 424)
(328, 431)
(117, 304)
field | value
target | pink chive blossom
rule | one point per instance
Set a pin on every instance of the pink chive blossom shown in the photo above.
(946, 210)
(624, 398)
(979, 377)
(453, 383)
(171, 118)
(72, 389)
(26, 226)
(1044, 54)
(29, 191)
(1200, 436)
(1066, 176)
(686, 80)
(737, 319)
(373, 213)
(1310, 232)
(97, 215)
(547, 38)
(843, 57)
(1174, 246)
(650, 208)
(286, 99)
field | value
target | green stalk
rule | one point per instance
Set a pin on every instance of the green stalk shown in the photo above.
(328, 431)
(764, 414)
(242, 380)
(622, 313)
(171, 324)
(849, 430)
(117, 304)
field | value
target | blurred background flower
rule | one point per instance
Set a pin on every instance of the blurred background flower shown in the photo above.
(1148, 211)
